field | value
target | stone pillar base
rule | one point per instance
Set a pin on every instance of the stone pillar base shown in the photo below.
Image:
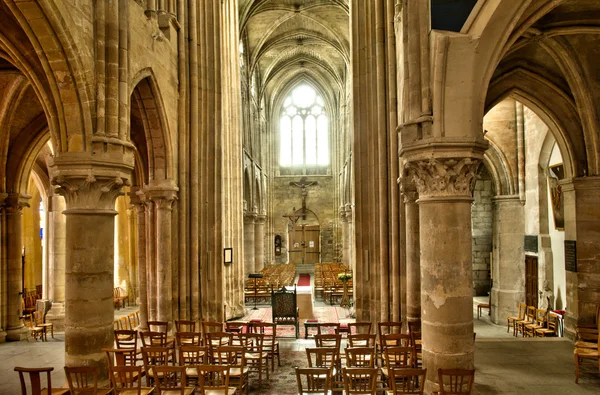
(2, 336)
(56, 316)
(17, 334)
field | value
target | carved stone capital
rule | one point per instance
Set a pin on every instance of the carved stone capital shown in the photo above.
(92, 182)
(15, 202)
(249, 217)
(408, 190)
(445, 177)
(260, 219)
(90, 192)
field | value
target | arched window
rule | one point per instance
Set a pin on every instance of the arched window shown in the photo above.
(303, 132)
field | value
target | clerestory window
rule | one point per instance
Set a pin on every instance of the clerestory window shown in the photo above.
(303, 131)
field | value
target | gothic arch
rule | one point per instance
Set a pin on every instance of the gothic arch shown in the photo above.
(247, 190)
(258, 195)
(149, 129)
(549, 103)
(56, 72)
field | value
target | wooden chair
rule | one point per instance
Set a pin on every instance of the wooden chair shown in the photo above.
(190, 357)
(397, 357)
(360, 381)
(284, 309)
(360, 357)
(551, 328)
(361, 340)
(328, 340)
(34, 331)
(128, 340)
(519, 326)
(188, 339)
(386, 328)
(586, 357)
(256, 357)
(356, 328)
(326, 357)
(313, 381)
(133, 321)
(217, 339)
(36, 382)
(271, 345)
(153, 357)
(214, 379)
(171, 380)
(407, 381)
(212, 326)
(455, 381)
(414, 326)
(125, 381)
(84, 380)
(185, 326)
(40, 321)
(235, 358)
(539, 323)
(416, 342)
(482, 306)
(519, 317)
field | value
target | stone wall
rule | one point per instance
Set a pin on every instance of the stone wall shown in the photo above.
(481, 222)
(320, 200)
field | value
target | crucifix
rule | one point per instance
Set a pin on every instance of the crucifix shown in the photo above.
(303, 184)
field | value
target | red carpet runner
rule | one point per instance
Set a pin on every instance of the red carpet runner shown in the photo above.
(304, 280)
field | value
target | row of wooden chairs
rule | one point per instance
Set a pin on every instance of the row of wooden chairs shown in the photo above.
(274, 277)
(37, 325)
(360, 360)
(533, 322)
(120, 298)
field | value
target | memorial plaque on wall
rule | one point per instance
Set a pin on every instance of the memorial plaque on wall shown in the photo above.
(531, 243)
(570, 256)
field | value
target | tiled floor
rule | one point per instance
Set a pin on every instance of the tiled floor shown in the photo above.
(505, 365)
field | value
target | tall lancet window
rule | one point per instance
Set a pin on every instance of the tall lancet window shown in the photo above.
(303, 132)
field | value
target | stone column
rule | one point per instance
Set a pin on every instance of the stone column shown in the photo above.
(249, 243)
(413, 254)
(163, 201)
(444, 187)
(90, 191)
(349, 242)
(138, 201)
(259, 242)
(3, 271)
(508, 261)
(57, 254)
(15, 202)
(151, 249)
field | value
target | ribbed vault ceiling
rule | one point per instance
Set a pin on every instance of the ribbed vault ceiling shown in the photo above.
(287, 40)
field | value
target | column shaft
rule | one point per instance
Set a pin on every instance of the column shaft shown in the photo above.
(57, 245)
(259, 243)
(249, 245)
(446, 283)
(150, 261)
(14, 205)
(163, 261)
(413, 260)
(89, 288)
(508, 266)
(142, 263)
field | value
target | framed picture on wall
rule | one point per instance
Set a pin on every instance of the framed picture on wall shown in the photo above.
(228, 256)
(555, 174)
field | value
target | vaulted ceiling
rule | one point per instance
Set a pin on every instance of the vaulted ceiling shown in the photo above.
(288, 40)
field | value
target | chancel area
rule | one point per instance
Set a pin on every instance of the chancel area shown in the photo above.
(265, 195)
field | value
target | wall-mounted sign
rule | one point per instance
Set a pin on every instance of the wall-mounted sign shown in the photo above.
(531, 243)
(570, 256)
(311, 244)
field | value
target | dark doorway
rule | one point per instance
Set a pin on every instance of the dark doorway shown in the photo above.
(531, 280)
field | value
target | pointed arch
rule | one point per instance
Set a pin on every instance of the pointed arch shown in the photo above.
(149, 129)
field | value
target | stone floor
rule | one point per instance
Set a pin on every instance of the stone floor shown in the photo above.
(505, 365)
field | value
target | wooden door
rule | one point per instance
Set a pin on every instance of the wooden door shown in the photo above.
(305, 246)
(531, 280)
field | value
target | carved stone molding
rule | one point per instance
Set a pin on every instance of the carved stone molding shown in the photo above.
(408, 190)
(260, 219)
(15, 202)
(92, 192)
(447, 177)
